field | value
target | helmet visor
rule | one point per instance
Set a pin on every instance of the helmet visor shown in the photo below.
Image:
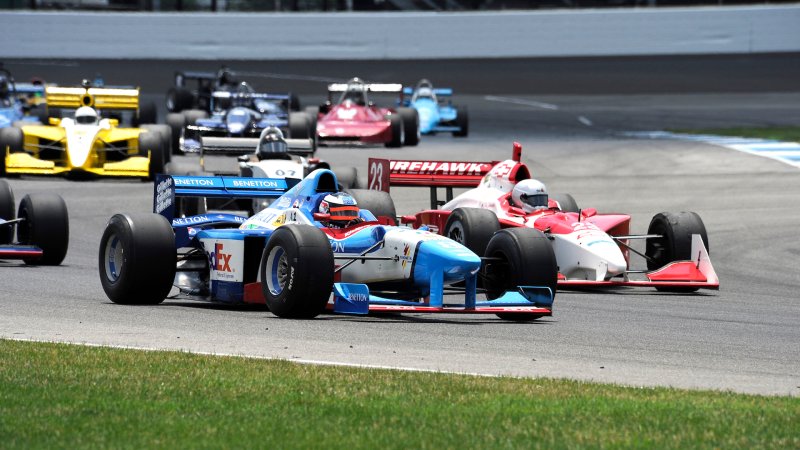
(85, 120)
(535, 201)
(343, 213)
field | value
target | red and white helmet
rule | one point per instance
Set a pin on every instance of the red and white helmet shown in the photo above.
(341, 207)
(530, 195)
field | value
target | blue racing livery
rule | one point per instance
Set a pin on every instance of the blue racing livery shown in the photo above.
(437, 114)
(293, 258)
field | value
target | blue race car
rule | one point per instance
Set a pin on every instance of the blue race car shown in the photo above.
(18, 100)
(436, 112)
(311, 242)
(237, 112)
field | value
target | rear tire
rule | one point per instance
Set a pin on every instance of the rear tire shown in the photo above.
(675, 244)
(566, 202)
(347, 178)
(379, 203)
(297, 271)
(46, 226)
(7, 212)
(313, 115)
(299, 127)
(294, 102)
(410, 126)
(396, 125)
(147, 113)
(176, 122)
(462, 121)
(166, 137)
(526, 258)
(152, 142)
(11, 138)
(472, 227)
(178, 99)
(137, 259)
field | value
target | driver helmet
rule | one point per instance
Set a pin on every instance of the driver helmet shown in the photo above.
(341, 207)
(271, 144)
(86, 115)
(530, 195)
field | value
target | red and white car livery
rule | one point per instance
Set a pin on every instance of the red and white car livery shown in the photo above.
(591, 249)
(355, 119)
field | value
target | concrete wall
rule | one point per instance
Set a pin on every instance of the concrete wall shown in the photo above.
(370, 36)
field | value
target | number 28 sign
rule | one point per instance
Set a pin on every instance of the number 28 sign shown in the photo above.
(378, 176)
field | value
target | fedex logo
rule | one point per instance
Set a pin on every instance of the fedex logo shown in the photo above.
(439, 167)
(221, 261)
(225, 259)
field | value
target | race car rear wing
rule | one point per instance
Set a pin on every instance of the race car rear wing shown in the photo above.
(98, 98)
(384, 173)
(250, 95)
(235, 146)
(439, 92)
(168, 188)
(371, 87)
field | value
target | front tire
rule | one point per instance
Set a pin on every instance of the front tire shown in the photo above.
(410, 126)
(675, 243)
(137, 259)
(462, 122)
(6, 212)
(176, 122)
(297, 271)
(472, 227)
(151, 142)
(299, 126)
(524, 257)
(11, 138)
(46, 226)
(396, 125)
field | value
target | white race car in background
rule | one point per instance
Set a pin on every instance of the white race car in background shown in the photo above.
(592, 249)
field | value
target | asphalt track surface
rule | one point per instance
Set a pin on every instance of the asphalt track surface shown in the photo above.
(744, 337)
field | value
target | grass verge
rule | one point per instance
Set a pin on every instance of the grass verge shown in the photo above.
(791, 134)
(67, 396)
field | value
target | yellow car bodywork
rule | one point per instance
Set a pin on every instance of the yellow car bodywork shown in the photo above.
(114, 151)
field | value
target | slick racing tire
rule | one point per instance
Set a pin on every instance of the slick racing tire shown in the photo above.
(299, 126)
(11, 138)
(188, 206)
(462, 122)
(193, 115)
(520, 257)
(566, 203)
(297, 271)
(176, 122)
(178, 99)
(152, 143)
(472, 227)
(45, 225)
(410, 126)
(347, 178)
(6, 212)
(379, 203)
(313, 115)
(396, 125)
(147, 114)
(294, 102)
(137, 259)
(675, 243)
(166, 137)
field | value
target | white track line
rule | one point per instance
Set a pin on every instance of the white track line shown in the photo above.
(523, 102)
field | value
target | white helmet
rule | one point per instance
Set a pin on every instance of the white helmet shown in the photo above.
(86, 115)
(530, 195)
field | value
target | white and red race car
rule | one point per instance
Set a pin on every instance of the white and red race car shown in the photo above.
(592, 249)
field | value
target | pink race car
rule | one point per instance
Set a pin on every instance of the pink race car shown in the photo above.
(592, 249)
(354, 119)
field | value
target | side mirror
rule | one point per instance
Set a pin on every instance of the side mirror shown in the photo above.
(54, 121)
(319, 217)
(113, 122)
(588, 212)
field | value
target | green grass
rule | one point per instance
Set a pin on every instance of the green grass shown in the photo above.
(67, 396)
(778, 133)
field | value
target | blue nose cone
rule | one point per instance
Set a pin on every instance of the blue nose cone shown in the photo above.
(450, 258)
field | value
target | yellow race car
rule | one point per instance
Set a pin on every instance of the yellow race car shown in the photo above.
(81, 141)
